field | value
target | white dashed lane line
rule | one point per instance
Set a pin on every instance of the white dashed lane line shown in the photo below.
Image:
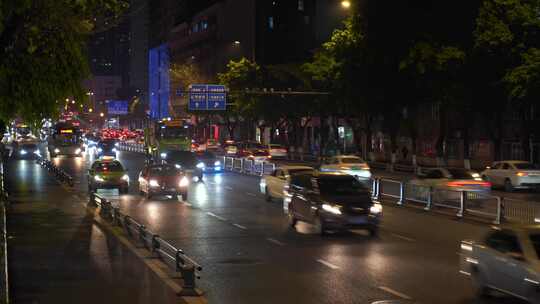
(328, 264)
(402, 237)
(250, 194)
(395, 293)
(271, 240)
(239, 226)
(216, 216)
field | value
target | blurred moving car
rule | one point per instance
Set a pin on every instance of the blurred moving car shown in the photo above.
(105, 147)
(258, 155)
(210, 160)
(449, 184)
(277, 151)
(230, 148)
(513, 174)
(348, 164)
(276, 185)
(505, 260)
(27, 151)
(249, 147)
(333, 201)
(163, 179)
(186, 161)
(108, 174)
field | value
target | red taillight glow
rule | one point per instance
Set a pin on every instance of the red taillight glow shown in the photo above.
(465, 184)
(522, 174)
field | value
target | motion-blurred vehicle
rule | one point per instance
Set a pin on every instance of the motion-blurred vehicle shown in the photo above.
(333, 201)
(105, 147)
(449, 183)
(27, 151)
(230, 148)
(513, 174)
(247, 148)
(276, 185)
(108, 173)
(348, 164)
(163, 179)
(186, 161)
(210, 160)
(505, 260)
(258, 155)
(277, 151)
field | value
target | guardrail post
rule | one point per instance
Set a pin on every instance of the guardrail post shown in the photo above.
(502, 210)
(401, 193)
(499, 211)
(462, 197)
(187, 271)
(241, 165)
(376, 188)
(429, 199)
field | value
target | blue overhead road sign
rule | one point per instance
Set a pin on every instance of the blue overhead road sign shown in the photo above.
(207, 97)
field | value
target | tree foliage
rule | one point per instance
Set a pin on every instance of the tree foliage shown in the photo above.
(42, 52)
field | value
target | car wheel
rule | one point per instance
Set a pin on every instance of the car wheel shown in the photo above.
(508, 187)
(184, 196)
(319, 226)
(291, 218)
(479, 284)
(267, 195)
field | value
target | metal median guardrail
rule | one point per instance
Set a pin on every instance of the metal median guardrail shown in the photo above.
(463, 203)
(59, 173)
(171, 256)
(4, 276)
(248, 166)
(131, 147)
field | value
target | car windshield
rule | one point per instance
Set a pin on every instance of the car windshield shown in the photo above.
(163, 171)
(535, 240)
(260, 153)
(525, 166)
(274, 146)
(341, 185)
(30, 147)
(300, 171)
(206, 155)
(461, 174)
(184, 158)
(109, 167)
(352, 160)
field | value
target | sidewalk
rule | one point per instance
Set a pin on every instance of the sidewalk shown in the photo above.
(58, 255)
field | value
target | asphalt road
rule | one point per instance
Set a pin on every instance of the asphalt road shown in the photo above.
(249, 255)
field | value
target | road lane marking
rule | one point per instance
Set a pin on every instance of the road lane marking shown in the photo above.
(240, 226)
(395, 293)
(271, 240)
(216, 216)
(250, 194)
(228, 188)
(402, 237)
(328, 264)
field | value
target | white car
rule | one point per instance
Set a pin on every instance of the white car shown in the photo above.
(277, 151)
(348, 164)
(275, 185)
(506, 260)
(513, 174)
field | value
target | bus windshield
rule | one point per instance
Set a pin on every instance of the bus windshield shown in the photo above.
(174, 132)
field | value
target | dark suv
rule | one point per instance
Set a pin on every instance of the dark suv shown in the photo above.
(333, 201)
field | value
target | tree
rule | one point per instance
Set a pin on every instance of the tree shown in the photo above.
(42, 52)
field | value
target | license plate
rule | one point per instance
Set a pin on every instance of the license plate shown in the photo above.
(357, 220)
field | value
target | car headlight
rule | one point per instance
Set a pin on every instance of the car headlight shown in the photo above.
(331, 208)
(114, 150)
(177, 166)
(200, 165)
(100, 150)
(78, 151)
(154, 183)
(125, 177)
(376, 209)
(37, 152)
(116, 144)
(56, 150)
(98, 178)
(184, 182)
(163, 155)
(23, 152)
(217, 163)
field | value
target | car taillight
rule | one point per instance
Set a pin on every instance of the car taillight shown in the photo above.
(465, 184)
(522, 174)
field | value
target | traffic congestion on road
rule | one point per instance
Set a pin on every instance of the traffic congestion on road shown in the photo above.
(309, 233)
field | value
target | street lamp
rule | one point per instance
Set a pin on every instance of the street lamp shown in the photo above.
(90, 110)
(236, 42)
(346, 4)
(101, 114)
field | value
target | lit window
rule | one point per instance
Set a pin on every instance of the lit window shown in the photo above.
(204, 25)
(271, 22)
(301, 5)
